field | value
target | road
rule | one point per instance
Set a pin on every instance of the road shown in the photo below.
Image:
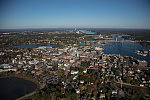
(128, 84)
(27, 95)
(131, 85)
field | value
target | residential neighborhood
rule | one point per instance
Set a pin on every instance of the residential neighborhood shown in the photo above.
(79, 71)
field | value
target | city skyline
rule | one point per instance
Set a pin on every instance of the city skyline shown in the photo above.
(74, 13)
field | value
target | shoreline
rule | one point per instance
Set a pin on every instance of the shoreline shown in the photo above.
(29, 78)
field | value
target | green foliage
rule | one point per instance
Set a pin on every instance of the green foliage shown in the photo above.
(85, 63)
(128, 80)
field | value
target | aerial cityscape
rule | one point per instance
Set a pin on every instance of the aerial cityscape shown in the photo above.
(75, 50)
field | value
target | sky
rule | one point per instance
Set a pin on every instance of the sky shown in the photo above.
(74, 14)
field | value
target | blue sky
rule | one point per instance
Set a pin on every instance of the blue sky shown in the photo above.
(75, 13)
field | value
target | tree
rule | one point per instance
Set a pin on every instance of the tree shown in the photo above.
(128, 80)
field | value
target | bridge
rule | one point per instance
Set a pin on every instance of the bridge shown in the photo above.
(122, 41)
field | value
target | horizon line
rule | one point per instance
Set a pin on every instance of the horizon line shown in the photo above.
(69, 28)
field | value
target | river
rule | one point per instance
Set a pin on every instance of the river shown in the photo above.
(125, 49)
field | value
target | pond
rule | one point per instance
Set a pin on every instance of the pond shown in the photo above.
(34, 46)
(13, 88)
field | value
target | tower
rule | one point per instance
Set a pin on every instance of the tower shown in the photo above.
(77, 54)
(116, 39)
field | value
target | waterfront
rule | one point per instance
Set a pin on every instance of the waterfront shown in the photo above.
(13, 88)
(35, 46)
(88, 32)
(125, 49)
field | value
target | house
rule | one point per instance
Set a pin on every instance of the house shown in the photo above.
(6, 66)
(38, 73)
(75, 77)
(142, 85)
(38, 66)
(74, 72)
(77, 91)
(85, 71)
(142, 63)
(102, 96)
(49, 66)
(82, 81)
(114, 93)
